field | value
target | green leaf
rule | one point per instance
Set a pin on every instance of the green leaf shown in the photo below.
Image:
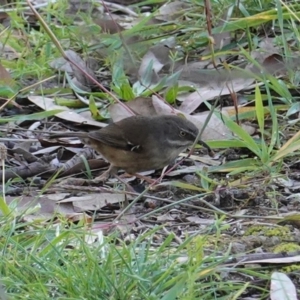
(224, 144)
(175, 291)
(255, 20)
(206, 182)
(126, 92)
(245, 164)
(93, 108)
(260, 114)
(35, 116)
(281, 153)
(186, 186)
(146, 77)
(4, 208)
(244, 136)
(7, 92)
(118, 75)
(171, 93)
(165, 81)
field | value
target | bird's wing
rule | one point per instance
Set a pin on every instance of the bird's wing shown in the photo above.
(113, 136)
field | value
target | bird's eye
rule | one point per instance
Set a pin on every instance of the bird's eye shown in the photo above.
(182, 133)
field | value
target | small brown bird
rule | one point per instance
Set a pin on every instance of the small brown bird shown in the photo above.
(139, 143)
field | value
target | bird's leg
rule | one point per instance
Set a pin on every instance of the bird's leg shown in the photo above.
(143, 177)
(112, 171)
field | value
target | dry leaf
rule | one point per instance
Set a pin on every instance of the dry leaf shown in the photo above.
(212, 83)
(93, 201)
(282, 287)
(140, 105)
(171, 10)
(148, 60)
(67, 114)
(5, 77)
(200, 221)
(215, 129)
(8, 52)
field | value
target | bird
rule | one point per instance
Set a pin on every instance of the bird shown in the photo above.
(139, 143)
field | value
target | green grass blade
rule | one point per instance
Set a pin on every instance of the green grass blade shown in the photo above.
(4, 208)
(35, 116)
(243, 135)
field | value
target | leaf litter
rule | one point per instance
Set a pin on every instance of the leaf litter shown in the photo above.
(201, 82)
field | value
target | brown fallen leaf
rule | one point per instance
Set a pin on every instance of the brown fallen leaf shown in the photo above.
(140, 105)
(94, 201)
